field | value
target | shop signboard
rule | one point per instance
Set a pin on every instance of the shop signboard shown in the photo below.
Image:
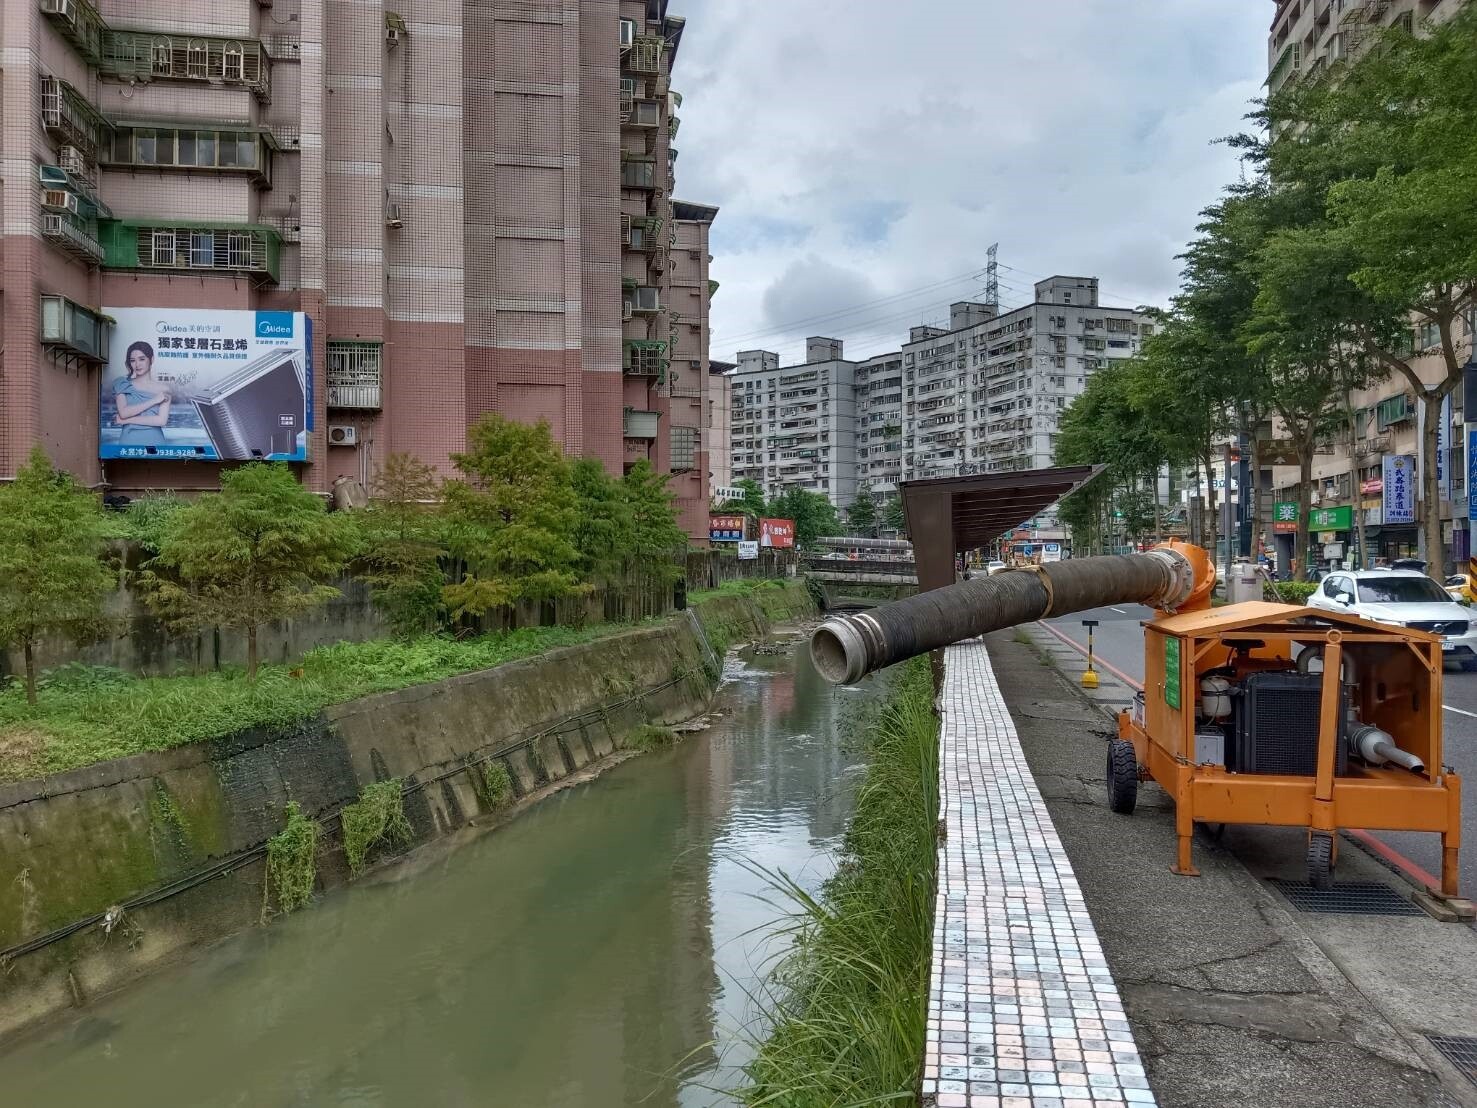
(1399, 470)
(1472, 474)
(778, 533)
(1331, 519)
(728, 527)
(1374, 484)
(203, 384)
(1285, 517)
(748, 550)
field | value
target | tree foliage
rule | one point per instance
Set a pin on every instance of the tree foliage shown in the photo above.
(656, 539)
(260, 550)
(511, 517)
(861, 516)
(604, 530)
(51, 575)
(404, 544)
(814, 515)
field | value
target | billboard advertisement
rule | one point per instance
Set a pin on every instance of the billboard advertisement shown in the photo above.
(748, 551)
(1399, 488)
(778, 533)
(726, 528)
(207, 385)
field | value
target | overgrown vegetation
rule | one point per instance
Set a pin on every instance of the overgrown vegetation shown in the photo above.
(847, 1009)
(92, 713)
(51, 573)
(1288, 592)
(495, 785)
(292, 861)
(260, 550)
(649, 737)
(378, 816)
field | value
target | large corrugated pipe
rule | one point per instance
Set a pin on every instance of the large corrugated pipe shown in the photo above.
(846, 648)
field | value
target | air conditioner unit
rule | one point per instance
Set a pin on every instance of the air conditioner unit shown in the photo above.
(342, 434)
(73, 161)
(63, 8)
(59, 200)
(393, 217)
(626, 310)
(392, 37)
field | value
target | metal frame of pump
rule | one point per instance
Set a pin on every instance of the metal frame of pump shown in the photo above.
(1388, 680)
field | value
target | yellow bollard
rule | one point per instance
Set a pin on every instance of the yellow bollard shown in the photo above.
(1089, 677)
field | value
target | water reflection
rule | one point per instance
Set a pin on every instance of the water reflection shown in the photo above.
(573, 958)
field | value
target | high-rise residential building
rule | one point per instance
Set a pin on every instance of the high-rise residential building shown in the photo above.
(470, 205)
(983, 395)
(795, 427)
(1307, 36)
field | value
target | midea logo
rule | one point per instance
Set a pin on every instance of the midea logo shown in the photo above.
(265, 328)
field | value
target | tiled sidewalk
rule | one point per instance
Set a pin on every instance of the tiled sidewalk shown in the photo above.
(1023, 1011)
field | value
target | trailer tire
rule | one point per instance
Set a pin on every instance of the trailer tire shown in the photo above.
(1320, 860)
(1123, 776)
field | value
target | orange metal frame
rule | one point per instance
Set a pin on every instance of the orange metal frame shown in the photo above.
(1398, 689)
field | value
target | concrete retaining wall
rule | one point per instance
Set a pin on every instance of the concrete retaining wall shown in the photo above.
(198, 817)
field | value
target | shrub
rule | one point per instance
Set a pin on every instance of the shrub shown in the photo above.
(292, 861)
(1288, 592)
(377, 816)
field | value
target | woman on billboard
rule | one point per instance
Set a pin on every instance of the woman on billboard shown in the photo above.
(142, 403)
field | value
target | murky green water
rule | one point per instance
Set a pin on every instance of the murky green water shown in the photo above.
(580, 956)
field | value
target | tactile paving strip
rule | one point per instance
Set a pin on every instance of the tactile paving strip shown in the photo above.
(1023, 1011)
(1353, 898)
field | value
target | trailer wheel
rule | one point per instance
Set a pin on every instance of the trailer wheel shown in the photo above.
(1320, 860)
(1123, 776)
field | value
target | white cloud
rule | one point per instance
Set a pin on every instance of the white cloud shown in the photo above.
(860, 150)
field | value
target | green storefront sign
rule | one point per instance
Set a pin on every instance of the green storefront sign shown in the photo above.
(1331, 519)
(1285, 511)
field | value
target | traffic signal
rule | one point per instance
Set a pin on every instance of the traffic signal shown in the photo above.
(1233, 455)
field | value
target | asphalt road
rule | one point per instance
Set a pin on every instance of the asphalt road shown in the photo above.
(1118, 641)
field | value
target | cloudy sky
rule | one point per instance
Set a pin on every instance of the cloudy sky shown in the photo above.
(865, 154)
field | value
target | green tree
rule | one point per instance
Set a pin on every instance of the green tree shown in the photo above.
(753, 501)
(861, 517)
(1385, 146)
(604, 532)
(404, 544)
(814, 515)
(892, 515)
(656, 538)
(51, 544)
(260, 550)
(511, 518)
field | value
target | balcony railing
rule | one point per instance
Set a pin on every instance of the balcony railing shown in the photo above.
(152, 55)
(79, 24)
(250, 249)
(73, 233)
(645, 55)
(70, 119)
(169, 146)
(74, 332)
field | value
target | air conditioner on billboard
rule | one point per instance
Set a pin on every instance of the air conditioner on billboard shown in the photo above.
(342, 434)
(258, 410)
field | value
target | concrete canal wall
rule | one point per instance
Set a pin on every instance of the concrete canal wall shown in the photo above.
(178, 838)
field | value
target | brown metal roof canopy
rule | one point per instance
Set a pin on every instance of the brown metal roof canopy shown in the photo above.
(949, 514)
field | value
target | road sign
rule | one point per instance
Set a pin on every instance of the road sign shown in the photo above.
(1277, 452)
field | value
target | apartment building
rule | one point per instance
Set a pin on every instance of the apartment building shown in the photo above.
(1349, 474)
(428, 210)
(720, 424)
(879, 423)
(1307, 36)
(795, 427)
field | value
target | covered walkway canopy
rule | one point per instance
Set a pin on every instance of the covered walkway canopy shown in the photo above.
(949, 514)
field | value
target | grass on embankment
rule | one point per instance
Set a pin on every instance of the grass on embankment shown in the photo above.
(90, 714)
(849, 1006)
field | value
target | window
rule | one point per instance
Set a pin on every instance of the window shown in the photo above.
(638, 175)
(162, 57)
(627, 32)
(146, 148)
(1394, 410)
(648, 113)
(197, 59)
(238, 250)
(202, 248)
(354, 374)
(684, 449)
(233, 62)
(161, 248)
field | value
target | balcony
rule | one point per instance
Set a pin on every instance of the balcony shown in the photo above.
(70, 119)
(645, 55)
(251, 250)
(646, 358)
(354, 375)
(157, 56)
(69, 229)
(641, 424)
(212, 150)
(74, 333)
(79, 24)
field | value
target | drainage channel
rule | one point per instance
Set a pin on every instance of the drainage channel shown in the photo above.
(1352, 898)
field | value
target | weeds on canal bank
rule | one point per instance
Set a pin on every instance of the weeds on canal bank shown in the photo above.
(292, 862)
(377, 816)
(649, 737)
(847, 1005)
(90, 714)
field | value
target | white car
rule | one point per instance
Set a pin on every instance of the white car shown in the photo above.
(996, 567)
(1406, 599)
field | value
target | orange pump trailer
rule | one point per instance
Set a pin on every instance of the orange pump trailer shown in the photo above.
(1397, 688)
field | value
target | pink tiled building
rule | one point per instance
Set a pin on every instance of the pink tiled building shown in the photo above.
(471, 200)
